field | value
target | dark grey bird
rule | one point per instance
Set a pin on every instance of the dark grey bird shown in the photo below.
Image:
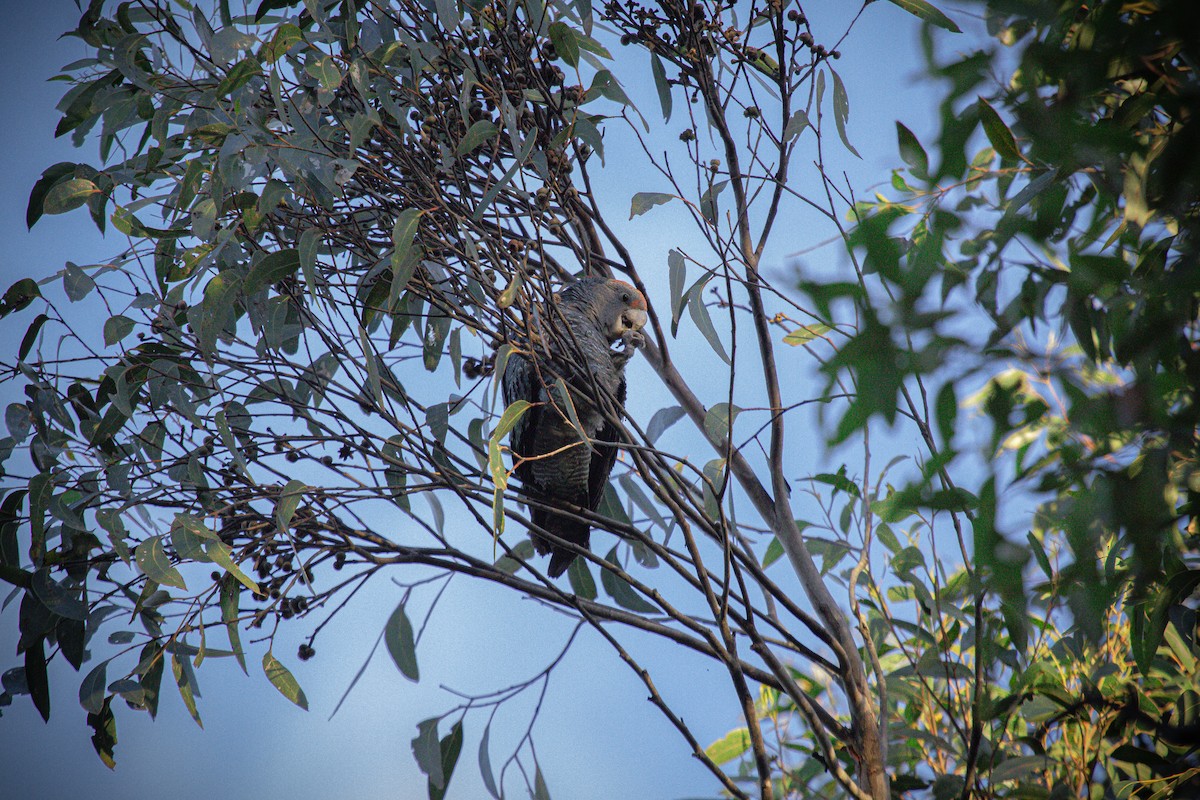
(552, 460)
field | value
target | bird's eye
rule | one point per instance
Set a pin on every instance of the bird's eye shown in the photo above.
(625, 297)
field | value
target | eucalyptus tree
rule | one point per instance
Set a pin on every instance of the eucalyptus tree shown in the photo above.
(342, 219)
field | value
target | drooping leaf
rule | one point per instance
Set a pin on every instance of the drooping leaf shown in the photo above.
(428, 752)
(911, 151)
(708, 201)
(579, 574)
(661, 86)
(620, 591)
(104, 733)
(485, 764)
(998, 132)
(185, 680)
(281, 678)
(398, 634)
(449, 749)
(928, 12)
(94, 688)
(289, 499)
(841, 110)
(677, 275)
(704, 323)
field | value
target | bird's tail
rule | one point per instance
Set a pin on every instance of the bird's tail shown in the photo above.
(564, 527)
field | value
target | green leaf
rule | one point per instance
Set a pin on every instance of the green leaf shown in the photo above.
(841, 110)
(540, 790)
(708, 201)
(481, 131)
(677, 275)
(927, 12)
(449, 749)
(94, 689)
(946, 412)
(661, 85)
(774, 552)
(153, 562)
(31, 334)
(428, 752)
(325, 71)
(37, 197)
(69, 195)
(222, 554)
(510, 564)
(398, 633)
(719, 419)
(230, 609)
(18, 296)
(496, 467)
(281, 678)
(104, 733)
(579, 574)
(289, 499)
(704, 323)
(117, 328)
(912, 152)
(730, 746)
(209, 318)
(285, 36)
(485, 764)
(271, 269)
(806, 333)
(620, 591)
(566, 43)
(1019, 767)
(36, 679)
(644, 201)
(185, 679)
(238, 76)
(663, 419)
(403, 232)
(77, 283)
(998, 133)
(562, 402)
(795, 125)
(447, 14)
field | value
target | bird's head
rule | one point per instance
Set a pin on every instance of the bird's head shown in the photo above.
(617, 306)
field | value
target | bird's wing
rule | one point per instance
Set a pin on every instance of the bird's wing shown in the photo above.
(521, 382)
(605, 455)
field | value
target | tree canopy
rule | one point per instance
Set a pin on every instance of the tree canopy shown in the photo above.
(339, 220)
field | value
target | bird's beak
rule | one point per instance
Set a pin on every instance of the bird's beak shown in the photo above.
(633, 319)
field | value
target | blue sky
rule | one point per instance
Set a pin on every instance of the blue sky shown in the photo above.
(597, 737)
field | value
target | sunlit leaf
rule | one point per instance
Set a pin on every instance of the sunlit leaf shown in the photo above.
(730, 746)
